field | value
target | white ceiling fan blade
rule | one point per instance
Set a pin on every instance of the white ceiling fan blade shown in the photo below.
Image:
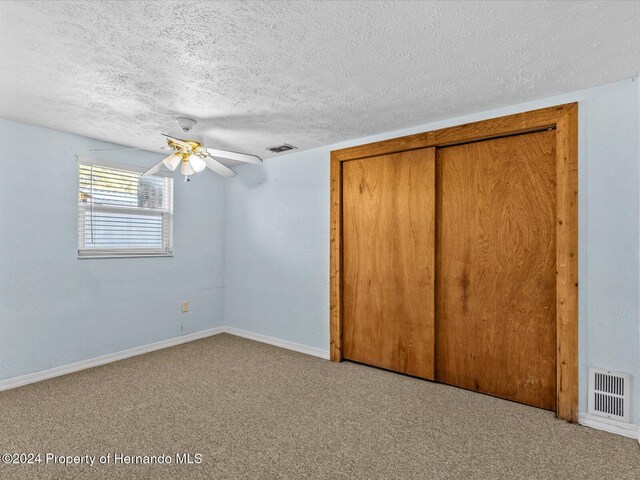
(187, 169)
(197, 163)
(237, 156)
(126, 148)
(219, 168)
(177, 141)
(172, 161)
(153, 170)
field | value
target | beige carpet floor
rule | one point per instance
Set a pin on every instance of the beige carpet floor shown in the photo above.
(257, 411)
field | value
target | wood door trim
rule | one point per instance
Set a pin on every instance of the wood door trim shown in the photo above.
(564, 118)
(495, 127)
(567, 265)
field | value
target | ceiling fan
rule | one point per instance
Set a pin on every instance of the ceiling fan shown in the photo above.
(192, 156)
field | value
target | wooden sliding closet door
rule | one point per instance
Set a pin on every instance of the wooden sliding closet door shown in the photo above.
(496, 267)
(388, 261)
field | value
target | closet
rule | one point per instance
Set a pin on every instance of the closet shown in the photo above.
(454, 257)
(389, 234)
(496, 267)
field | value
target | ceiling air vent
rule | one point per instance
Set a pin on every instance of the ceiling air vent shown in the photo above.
(609, 394)
(281, 148)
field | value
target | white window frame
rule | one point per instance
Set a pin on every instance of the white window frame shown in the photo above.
(167, 216)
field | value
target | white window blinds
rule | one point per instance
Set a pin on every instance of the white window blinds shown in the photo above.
(121, 213)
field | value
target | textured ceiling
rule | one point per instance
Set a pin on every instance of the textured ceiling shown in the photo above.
(257, 74)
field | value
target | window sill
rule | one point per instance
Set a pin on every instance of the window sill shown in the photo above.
(139, 255)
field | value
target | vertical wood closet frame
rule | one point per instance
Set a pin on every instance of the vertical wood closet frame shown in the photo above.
(562, 118)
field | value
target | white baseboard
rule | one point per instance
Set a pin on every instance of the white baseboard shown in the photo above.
(608, 425)
(104, 359)
(278, 342)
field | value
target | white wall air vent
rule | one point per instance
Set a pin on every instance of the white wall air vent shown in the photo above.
(609, 394)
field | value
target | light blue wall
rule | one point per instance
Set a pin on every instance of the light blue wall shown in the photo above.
(56, 309)
(278, 246)
(277, 235)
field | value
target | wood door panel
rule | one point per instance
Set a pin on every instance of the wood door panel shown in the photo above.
(496, 268)
(388, 261)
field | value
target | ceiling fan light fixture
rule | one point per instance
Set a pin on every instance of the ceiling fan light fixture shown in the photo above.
(186, 168)
(197, 163)
(172, 161)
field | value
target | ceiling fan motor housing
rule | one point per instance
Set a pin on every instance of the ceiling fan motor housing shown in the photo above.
(185, 123)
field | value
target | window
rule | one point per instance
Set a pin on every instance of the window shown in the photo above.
(121, 213)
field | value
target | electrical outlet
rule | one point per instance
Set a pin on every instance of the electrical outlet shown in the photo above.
(185, 307)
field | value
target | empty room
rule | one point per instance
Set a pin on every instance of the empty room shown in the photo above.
(320, 239)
